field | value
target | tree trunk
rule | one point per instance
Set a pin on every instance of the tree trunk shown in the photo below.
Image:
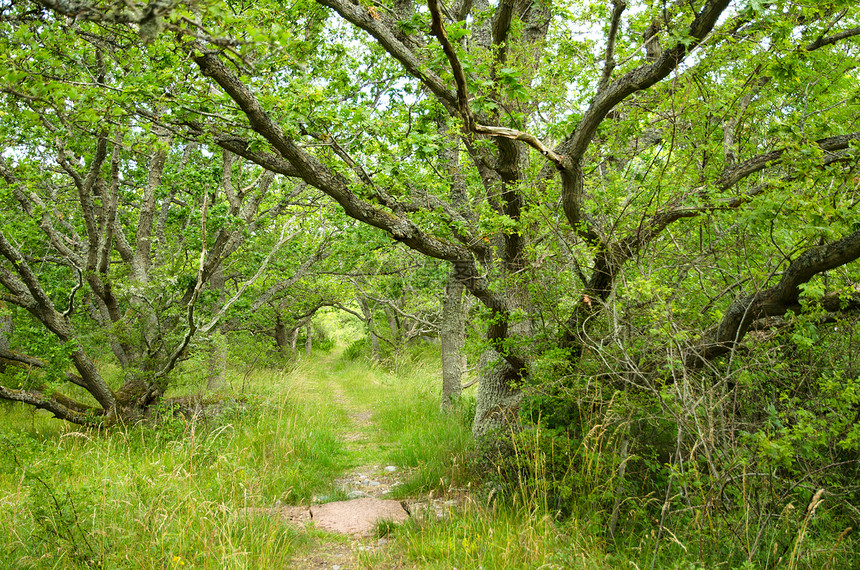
(294, 339)
(453, 332)
(217, 361)
(309, 338)
(498, 400)
(282, 336)
(134, 400)
(393, 326)
(371, 329)
(218, 346)
(499, 395)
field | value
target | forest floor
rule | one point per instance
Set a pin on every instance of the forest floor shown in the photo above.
(365, 477)
(238, 489)
(371, 480)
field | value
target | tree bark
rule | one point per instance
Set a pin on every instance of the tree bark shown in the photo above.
(218, 346)
(281, 336)
(498, 398)
(371, 329)
(393, 326)
(6, 329)
(294, 339)
(453, 332)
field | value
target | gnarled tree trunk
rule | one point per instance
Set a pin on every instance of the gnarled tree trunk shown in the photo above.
(498, 398)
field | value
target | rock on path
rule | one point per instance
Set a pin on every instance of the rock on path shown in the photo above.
(357, 517)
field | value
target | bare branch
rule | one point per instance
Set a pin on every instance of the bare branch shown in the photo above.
(530, 140)
(618, 7)
(822, 41)
(284, 238)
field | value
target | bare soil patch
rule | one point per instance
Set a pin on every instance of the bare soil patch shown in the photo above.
(357, 517)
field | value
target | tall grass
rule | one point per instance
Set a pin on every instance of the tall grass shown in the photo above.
(410, 430)
(168, 495)
(478, 535)
(184, 494)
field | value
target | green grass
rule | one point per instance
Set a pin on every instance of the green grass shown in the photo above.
(480, 536)
(174, 495)
(166, 496)
(409, 428)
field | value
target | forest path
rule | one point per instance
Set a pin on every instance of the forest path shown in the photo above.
(371, 474)
(351, 396)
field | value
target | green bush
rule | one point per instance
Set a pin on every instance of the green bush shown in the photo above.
(357, 349)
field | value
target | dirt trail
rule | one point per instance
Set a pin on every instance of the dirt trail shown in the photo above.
(363, 484)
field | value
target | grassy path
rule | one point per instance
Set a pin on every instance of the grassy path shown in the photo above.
(394, 443)
(383, 420)
(394, 419)
(345, 393)
(211, 494)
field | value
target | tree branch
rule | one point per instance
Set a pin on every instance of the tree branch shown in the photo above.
(465, 111)
(735, 174)
(531, 140)
(618, 7)
(501, 26)
(319, 176)
(42, 307)
(822, 41)
(192, 302)
(382, 30)
(145, 222)
(774, 301)
(31, 203)
(640, 79)
(62, 407)
(438, 30)
(33, 362)
(281, 241)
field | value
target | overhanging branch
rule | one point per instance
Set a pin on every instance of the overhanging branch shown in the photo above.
(438, 30)
(62, 407)
(31, 361)
(775, 300)
(618, 7)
